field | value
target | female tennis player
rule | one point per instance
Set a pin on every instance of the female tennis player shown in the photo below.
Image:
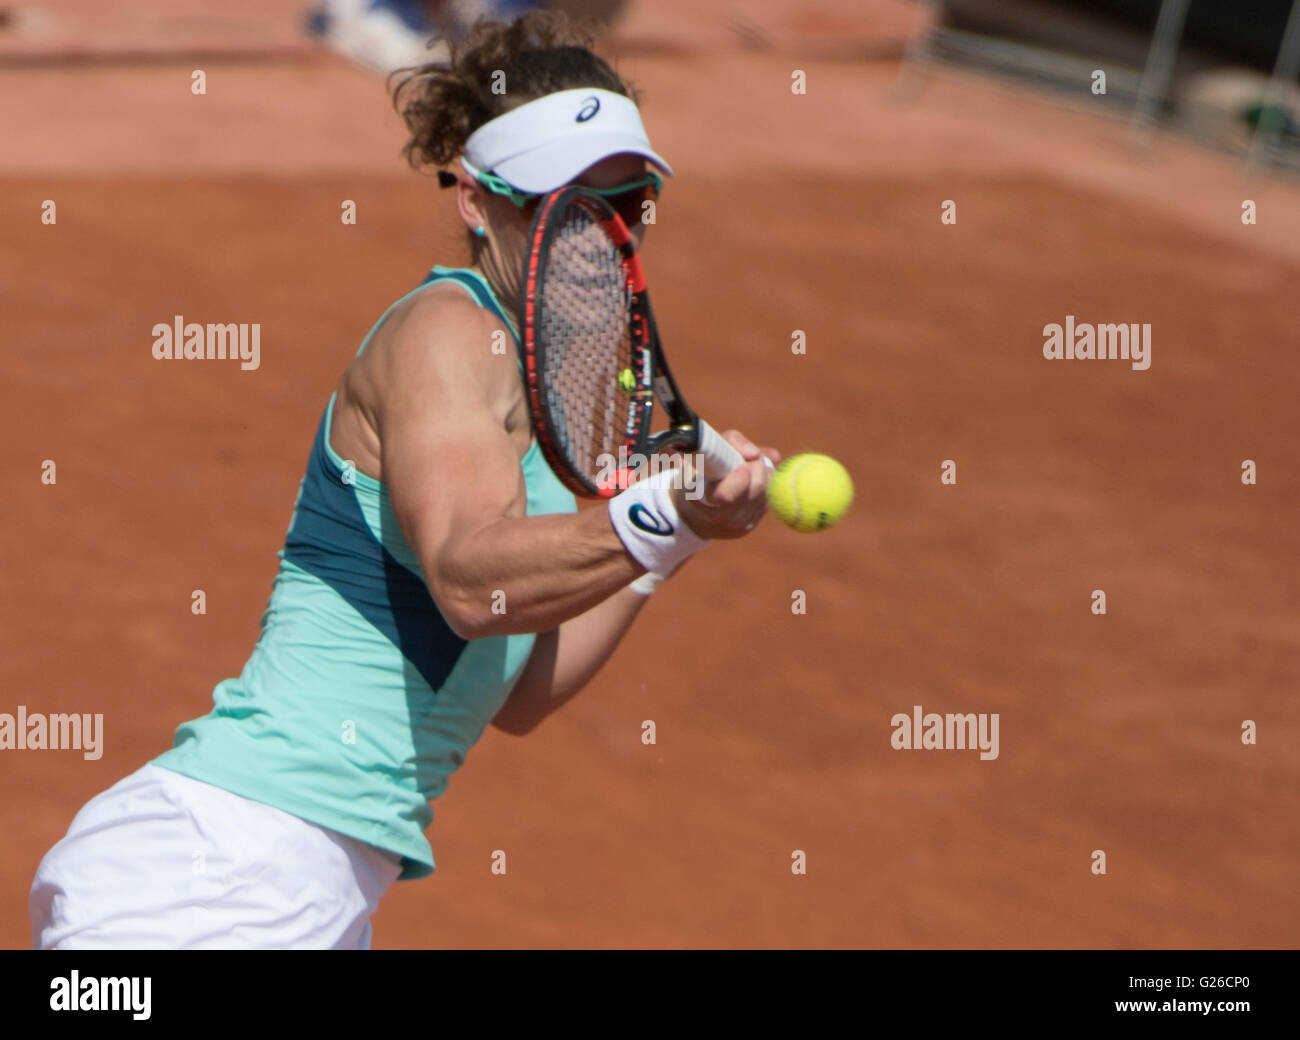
(436, 576)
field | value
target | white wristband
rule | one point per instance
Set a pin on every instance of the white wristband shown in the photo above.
(646, 584)
(646, 521)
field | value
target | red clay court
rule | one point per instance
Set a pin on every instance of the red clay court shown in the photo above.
(924, 343)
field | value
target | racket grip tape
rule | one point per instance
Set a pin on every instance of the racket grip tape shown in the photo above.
(720, 458)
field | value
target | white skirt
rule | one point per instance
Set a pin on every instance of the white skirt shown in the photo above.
(160, 861)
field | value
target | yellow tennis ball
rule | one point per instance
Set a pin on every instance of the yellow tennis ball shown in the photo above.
(627, 380)
(810, 492)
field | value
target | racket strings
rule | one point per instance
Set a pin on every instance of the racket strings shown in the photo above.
(586, 358)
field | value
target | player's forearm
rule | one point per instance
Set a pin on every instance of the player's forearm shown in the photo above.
(564, 660)
(530, 574)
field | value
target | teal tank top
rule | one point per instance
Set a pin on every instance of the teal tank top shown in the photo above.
(358, 701)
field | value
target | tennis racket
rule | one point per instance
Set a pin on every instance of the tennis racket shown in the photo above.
(592, 359)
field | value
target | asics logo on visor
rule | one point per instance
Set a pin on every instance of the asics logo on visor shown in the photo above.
(650, 523)
(590, 107)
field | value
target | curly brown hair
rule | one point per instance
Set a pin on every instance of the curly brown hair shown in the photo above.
(540, 53)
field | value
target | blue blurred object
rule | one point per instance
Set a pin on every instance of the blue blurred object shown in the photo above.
(414, 14)
(389, 34)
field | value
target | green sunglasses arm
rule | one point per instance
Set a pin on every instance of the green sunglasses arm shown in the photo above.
(499, 186)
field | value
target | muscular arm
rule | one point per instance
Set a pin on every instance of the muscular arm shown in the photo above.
(458, 492)
(565, 659)
(444, 415)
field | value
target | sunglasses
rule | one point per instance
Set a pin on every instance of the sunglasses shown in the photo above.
(627, 200)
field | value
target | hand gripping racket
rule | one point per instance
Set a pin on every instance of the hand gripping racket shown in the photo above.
(591, 354)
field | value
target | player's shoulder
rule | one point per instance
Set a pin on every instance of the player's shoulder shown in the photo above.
(443, 308)
(440, 340)
(441, 325)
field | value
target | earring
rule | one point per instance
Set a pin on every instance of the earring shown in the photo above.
(480, 231)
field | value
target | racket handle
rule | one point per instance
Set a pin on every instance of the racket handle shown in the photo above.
(720, 458)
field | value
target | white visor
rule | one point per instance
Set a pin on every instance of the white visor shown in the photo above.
(546, 143)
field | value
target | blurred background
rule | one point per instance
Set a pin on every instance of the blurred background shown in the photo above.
(816, 211)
